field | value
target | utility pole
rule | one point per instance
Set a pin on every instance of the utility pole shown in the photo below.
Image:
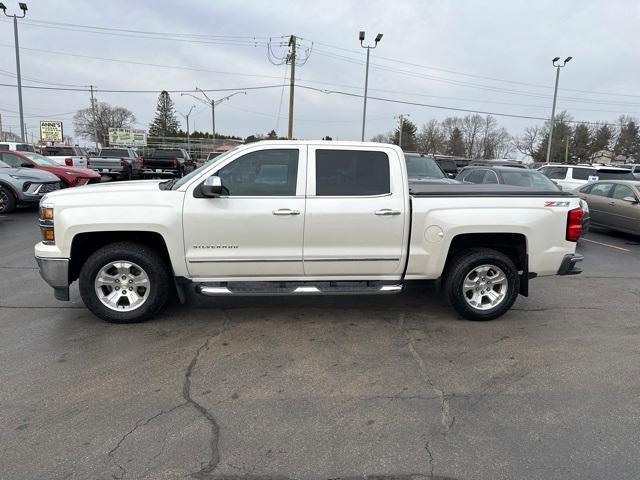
(23, 7)
(401, 120)
(555, 96)
(566, 150)
(292, 60)
(95, 120)
(366, 78)
(186, 117)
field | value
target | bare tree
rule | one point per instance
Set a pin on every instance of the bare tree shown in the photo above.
(383, 138)
(528, 142)
(106, 117)
(471, 127)
(431, 139)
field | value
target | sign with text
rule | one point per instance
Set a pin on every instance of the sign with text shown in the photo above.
(51, 131)
(127, 136)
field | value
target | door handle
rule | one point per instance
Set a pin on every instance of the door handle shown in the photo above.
(387, 212)
(285, 211)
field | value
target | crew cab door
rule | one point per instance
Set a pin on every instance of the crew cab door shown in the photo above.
(254, 229)
(356, 213)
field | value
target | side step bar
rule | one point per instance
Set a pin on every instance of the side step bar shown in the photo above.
(296, 288)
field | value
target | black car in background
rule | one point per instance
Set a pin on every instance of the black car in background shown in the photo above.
(425, 169)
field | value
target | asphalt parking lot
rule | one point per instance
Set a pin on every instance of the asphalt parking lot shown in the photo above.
(378, 388)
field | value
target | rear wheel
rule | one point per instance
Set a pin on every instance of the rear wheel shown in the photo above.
(124, 282)
(481, 284)
(7, 200)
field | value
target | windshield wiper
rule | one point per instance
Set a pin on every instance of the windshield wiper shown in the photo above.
(168, 184)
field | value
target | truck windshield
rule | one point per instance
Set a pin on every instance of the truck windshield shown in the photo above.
(114, 152)
(422, 167)
(174, 185)
(58, 151)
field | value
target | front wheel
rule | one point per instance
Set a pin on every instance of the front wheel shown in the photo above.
(7, 200)
(481, 284)
(124, 282)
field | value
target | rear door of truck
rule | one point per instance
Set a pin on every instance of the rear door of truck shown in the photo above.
(356, 212)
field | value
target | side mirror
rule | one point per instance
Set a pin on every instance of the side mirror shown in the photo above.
(212, 187)
(26, 165)
(633, 200)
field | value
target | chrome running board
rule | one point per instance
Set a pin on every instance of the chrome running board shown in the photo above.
(253, 289)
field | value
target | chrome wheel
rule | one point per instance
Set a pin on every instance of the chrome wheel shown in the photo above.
(122, 286)
(485, 287)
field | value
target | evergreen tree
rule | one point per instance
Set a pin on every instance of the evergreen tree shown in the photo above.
(455, 145)
(628, 142)
(409, 130)
(165, 123)
(601, 139)
(581, 143)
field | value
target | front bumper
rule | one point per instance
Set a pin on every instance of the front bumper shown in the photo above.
(151, 173)
(55, 271)
(568, 265)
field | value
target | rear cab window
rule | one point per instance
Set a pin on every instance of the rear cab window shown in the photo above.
(342, 173)
(58, 151)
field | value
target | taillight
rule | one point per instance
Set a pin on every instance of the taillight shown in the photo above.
(175, 163)
(122, 162)
(141, 161)
(574, 224)
(68, 162)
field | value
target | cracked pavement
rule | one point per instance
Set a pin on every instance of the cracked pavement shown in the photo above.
(344, 387)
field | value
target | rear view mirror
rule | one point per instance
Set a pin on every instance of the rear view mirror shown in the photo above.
(212, 186)
(630, 199)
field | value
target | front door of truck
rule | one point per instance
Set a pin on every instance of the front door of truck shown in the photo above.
(254, 229)
(356, 213)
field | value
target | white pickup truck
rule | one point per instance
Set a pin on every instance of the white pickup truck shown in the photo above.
(66, 155)
(300, 217)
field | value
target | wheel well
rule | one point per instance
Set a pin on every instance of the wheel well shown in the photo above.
(11, 189)
(84, 244)
(513, 245)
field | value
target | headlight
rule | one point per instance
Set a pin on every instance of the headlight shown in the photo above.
(46, 225)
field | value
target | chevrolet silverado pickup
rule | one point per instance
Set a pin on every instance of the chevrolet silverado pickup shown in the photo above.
(117, 162)
(67, 155)
(302, 218)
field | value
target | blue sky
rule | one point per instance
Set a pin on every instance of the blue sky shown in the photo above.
(484, 55)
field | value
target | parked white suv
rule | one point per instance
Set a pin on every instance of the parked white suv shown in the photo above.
(17, 147)
(570, 177)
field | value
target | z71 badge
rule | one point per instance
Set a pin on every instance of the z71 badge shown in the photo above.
(552, 203)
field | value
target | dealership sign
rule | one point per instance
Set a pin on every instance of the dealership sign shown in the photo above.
(127, 136)
(51, 131)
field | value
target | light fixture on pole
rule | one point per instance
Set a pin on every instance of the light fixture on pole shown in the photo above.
(23, 7)
(213, 104)
(186, 117)
(366, 75)
(556, 63)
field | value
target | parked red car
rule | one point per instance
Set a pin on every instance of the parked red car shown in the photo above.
(70, 176)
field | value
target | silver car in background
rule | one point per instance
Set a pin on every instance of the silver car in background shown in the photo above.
(613, 204)
(24, 186)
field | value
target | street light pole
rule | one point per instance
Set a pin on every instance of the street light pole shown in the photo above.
(366, 76)
(555, 96)
(186, 117)
(213, 104)
(23, 7)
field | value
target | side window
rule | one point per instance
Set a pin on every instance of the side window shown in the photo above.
(476, 176)
(4, 146)
(601, 189)
(586, 189)
(490, 177)
(583, 173)
(622, 191)
(556, 173)
(352, 173)
(264, 173)
(11, 160)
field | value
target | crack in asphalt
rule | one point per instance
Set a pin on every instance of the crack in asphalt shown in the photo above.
(446, 419)
(206, 470)
(430, 454)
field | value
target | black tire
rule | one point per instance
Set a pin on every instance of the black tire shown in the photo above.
(7, 200)
(463, 265)
(128, 175)
(148, 259)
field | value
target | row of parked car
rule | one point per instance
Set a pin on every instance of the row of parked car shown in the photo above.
(25, 175)
(610, 194)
